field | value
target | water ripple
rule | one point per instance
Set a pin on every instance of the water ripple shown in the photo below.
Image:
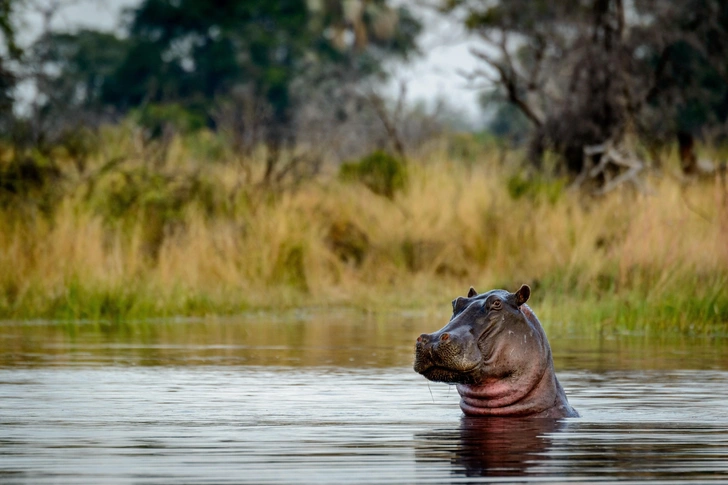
(262, 424)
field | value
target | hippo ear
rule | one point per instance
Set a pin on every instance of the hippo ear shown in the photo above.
(472, 292)
(522, 295)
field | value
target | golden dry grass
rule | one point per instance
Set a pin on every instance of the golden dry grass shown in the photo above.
(627, 260)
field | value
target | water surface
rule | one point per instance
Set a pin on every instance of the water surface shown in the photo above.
(333, 399)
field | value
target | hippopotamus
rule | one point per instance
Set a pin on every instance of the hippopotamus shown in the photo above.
(496, 352)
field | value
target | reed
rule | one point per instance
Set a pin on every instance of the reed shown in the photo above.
(187, 235)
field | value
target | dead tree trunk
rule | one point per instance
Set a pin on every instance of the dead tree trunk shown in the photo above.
(686, 147)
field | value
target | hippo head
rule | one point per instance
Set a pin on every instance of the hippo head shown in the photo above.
(496, 351)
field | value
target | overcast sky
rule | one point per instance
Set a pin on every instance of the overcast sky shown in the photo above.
(445, 48)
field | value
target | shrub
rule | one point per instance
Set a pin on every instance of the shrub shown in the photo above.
(535, 188)
(158, 118)
(379, 171)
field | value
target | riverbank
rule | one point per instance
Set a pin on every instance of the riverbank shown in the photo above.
(185, 234)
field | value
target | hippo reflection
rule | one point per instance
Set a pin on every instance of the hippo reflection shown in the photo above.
(496, 351)
(495, 447)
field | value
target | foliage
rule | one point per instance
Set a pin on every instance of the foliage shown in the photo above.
(251, 69)
(6, 26)
(195, 51)
(536, 188)
(31, 181)
(158, 118)
(181, 236)
(347, 241)
(125, 193)
(382, 173)
(503, 118)
(12, 51)
(86, 62)
(586, 73)
(127, 222)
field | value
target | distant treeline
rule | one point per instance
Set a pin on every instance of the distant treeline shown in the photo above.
(300, 78)
(281, 74)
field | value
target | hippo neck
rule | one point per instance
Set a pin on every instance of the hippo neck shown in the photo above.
(537, 394)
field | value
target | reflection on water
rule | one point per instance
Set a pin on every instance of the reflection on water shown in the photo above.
(494, 447)
(344, 339)
(314, 400)
(662, 426)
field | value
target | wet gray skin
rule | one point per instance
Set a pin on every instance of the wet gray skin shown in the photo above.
(496, 351)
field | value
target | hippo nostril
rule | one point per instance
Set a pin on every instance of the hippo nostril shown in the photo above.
(444, 336)
(419, 339)
(422, 339)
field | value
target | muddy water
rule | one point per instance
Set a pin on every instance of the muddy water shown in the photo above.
(333, 399)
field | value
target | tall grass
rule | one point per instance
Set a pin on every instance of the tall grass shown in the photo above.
(187, 235)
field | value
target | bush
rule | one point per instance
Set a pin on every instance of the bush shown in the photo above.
(30, 180)
(159, 199)
(535, 188)
(158, 118)
(382, 173)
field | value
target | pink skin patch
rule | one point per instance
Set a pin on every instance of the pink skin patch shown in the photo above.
(526, 311)
(499, 397)
(496, 397)
(494, 393)
(510, 411)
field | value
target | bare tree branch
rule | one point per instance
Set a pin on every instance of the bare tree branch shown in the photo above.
(389, 124)
(510, 82)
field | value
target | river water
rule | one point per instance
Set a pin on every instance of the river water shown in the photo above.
(333, 399)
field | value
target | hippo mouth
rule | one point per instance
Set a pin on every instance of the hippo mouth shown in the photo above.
(438, 373)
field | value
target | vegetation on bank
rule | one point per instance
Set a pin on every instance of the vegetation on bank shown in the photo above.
(145, 230)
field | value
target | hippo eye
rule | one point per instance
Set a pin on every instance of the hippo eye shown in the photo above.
(496, 305)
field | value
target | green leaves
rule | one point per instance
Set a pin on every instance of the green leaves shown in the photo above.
(6, 27)
(380, 172)
(490, 17)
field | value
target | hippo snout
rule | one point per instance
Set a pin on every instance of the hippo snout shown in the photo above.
(443, 343)
(444, 355)
(429, 338)
(423, 353)
(432, 345)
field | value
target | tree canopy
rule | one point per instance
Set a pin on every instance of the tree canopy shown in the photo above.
(193, 51)
(250, 64)
(12, 51)
(579, 73)
(584, 73)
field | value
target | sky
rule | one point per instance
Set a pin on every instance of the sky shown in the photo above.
(436, 74)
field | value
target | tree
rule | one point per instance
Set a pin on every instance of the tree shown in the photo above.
(86, 63)
(690, 80)
(244, 64)
(12, 52)
(588, 73)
